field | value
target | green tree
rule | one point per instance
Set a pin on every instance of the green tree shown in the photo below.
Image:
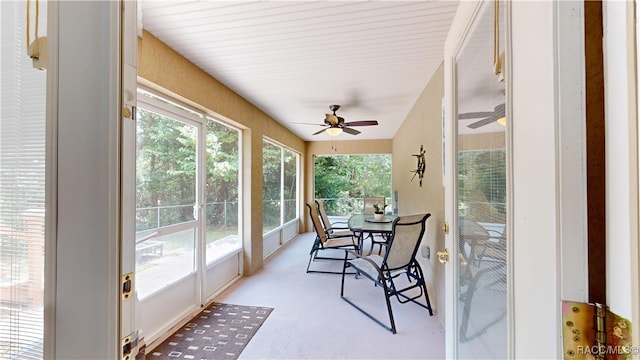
(482, 184)
(271, 185)
(166, 169)
(222, 166)
(350, 178)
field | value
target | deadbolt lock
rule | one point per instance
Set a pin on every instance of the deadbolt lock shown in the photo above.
(445, 227)
(443, 256)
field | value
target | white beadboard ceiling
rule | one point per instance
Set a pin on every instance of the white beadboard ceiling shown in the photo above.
(292, 59)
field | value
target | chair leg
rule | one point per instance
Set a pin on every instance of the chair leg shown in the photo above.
(464, 324)
(311, 257)
(313, 252)
(472, 287)
(424, 286)
(387, 297)
(344, 270)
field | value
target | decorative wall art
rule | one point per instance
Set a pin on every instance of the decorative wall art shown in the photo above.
(420, 167)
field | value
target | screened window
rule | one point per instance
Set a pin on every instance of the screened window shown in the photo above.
(280, 185)
(343, 181)
(182, 156)
(271, 186)
(290, 188)
(166, 180)
(165, 171)
(222, 189)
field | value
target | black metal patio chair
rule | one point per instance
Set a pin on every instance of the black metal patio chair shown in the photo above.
(388, 271)
(483, 262)
(325, 241)
(338, 227)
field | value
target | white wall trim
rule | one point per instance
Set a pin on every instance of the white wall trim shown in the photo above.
(569, 69)
(87, 99)
(460, 27)
(621, 163)
(549, 211)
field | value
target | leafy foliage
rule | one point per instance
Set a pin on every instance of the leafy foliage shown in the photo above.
(280, 173)
(222, 166)
(166, 169)
(271, 185)
(344, 180)
(482, 190)
(166, 172)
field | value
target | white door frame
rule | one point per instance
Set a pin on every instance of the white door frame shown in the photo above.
(129, 323)
(622, 156)
(83, 181)
(547, 186)
(460, 27)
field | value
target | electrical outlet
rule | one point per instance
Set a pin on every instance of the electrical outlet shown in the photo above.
(426, 252)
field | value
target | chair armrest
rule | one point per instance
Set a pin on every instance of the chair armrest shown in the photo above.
(337, 228)
(365, 258)
(354, 253)
(494, 234)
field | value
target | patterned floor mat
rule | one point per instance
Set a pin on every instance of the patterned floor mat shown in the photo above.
(221, 331)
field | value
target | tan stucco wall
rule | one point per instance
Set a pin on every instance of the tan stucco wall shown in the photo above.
(423, 126)
(166, 71)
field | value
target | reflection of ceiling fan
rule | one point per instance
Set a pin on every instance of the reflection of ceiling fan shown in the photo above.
(334, 125)
(489, 116)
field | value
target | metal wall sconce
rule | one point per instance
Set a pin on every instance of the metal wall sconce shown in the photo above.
(421, 165)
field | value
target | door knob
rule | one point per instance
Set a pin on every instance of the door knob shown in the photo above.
(443, 256)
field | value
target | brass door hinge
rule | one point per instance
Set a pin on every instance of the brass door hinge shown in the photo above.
(592, 331)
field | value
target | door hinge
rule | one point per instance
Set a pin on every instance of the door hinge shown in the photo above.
(129, 346)
(126, 286)
(592, 331)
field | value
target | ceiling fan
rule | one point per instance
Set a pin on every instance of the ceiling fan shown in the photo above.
(489, 116)
(334, 125)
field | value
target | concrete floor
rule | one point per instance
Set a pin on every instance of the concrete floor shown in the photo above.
(311, 321)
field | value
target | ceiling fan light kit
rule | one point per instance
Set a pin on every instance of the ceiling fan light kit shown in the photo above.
(335, 125)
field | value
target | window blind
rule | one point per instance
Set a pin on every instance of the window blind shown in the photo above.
(22, 174)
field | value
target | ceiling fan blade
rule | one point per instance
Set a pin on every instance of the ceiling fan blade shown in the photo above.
(361, 123)
(483, 122)
(498, 109)
(351, 131)
(494, 116)
(331, 119)
(318, 132)
(474, 115)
